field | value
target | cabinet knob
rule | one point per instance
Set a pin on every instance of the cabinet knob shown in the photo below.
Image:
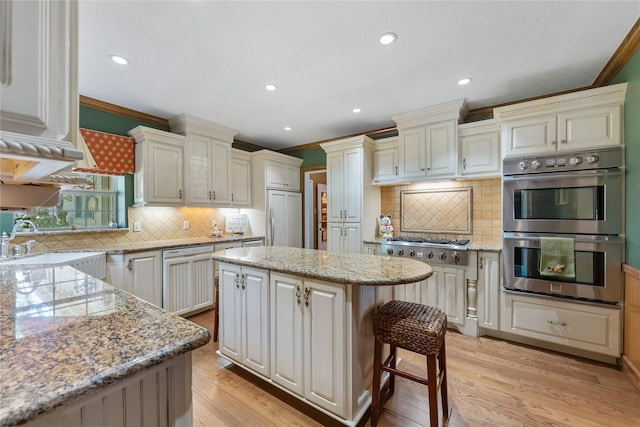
(130, 265)
(307, 293)
(214, 195)
(179, 194)
(563, 141)
(553, 142)
(210, 195)
(464, 163)
(396, 169)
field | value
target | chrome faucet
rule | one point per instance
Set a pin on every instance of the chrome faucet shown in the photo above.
(4, 248)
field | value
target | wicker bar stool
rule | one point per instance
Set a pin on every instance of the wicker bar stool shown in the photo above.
(417, 328)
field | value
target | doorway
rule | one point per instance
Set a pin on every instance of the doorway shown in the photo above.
(315, 186)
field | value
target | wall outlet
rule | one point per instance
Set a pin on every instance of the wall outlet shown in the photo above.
(185, 225)
(136, 226)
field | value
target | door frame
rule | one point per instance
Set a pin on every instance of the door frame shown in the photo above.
(308, 197)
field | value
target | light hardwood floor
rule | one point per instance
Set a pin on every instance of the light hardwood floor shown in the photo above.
(491, 383)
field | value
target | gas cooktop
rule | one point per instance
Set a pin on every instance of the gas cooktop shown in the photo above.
(428, 242)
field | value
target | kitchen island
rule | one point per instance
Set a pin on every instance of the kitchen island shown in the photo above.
(73, 348)
(302, 320)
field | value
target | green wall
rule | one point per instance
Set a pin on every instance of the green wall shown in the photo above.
(630, 73)
(312, 157)
(109, 123)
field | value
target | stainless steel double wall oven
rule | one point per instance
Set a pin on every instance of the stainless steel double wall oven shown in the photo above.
(577, 196)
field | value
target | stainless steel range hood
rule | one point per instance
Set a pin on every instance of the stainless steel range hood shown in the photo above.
(26, 158)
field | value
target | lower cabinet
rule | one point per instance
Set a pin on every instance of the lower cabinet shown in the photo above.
(188, 283)
(584, 326)
(372, 249)
(308, 351)
(138, 273)
(489, 284)
(344, 237)
(244, 316)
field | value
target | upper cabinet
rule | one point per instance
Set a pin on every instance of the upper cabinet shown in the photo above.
(240, 178)
(38, 70)
(428, 141)
(385, 161)
(480, 149)
(207, 166)
(276, 171)
(575, 121)
(38, 88)
(159, 157)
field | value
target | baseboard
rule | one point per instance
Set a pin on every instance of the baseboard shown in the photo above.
(632, 372)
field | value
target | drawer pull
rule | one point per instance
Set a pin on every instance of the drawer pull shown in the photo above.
(556, 323)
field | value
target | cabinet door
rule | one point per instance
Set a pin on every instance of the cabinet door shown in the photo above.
(412, 151)
(589, 128)
(336, 176)
(165, 174)
(453, 295)
(352, 186)
(529, 136)
(230, 312)
(254, 286)
(177, 285)
(38, 71)
(324, 345)
(480, 154)
(371, 249)
(441, 151)
(220, 173)
(144, 276)
(240, 182)
(385, 166)
(352, 238)
(292, 178)
(489, 290)
(334, 236)
(202, 282)
(198, 153)
(286, 332)
(275, 175)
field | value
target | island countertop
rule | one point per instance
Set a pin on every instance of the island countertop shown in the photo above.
(65, 335)
(351, 269)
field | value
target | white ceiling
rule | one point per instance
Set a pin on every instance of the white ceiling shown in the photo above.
(212, 59)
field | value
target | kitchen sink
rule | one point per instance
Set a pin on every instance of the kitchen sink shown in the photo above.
(93, 263)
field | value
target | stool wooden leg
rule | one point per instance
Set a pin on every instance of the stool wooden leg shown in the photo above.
(432, 386)
(442, 358)
(375, 399)
(216, 322)
(392, 364)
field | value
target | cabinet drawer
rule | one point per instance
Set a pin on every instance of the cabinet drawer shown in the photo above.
(583, 326)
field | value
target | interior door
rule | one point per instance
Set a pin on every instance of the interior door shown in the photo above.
(322, 216)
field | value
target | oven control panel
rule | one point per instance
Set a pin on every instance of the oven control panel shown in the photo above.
(596, 159)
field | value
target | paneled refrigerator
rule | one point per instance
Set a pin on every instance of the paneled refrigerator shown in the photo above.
(284, 218)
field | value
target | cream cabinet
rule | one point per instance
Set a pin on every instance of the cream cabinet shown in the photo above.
(480, 154)
(350, 194)
(139, 273)
(583, 326)
(428, 151)
(446, 290)
(428, 141)
(572, 122)
(385, 161)
(344, 237)
(244, 316)
(38, 70)
(372, 249)
(240, 178)
(308, 342)
(188, 280)
(159, 157)
(207, 166)
(489, 284)
(282, 176)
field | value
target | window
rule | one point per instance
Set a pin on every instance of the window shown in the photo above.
(95, 205)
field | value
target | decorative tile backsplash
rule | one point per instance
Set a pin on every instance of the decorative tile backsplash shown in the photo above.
(436, 211)
(486, 207)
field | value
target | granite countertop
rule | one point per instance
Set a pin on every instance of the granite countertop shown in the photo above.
(119, 248)
(65, 334)
(351, 269)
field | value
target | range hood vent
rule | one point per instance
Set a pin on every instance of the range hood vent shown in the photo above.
(27, 197)
(26, 158)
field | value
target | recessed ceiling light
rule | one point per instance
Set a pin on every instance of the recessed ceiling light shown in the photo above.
(287, 128)
(464, 81)
(119, 59)
(357, 110)
(388, 38)
(270, 87)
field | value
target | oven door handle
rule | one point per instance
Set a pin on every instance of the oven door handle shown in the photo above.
(577, 238)
(563, 175)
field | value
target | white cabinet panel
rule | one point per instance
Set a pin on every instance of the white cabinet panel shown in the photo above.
(591, 128)
(139, 273)
(446, 290)
(413, 153)
(188, 283)
(442, 149)
(385, 166)
(489, 284)
(240, 182)
(480, 154)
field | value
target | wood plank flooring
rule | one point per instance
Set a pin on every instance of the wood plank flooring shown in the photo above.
(491, 383)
